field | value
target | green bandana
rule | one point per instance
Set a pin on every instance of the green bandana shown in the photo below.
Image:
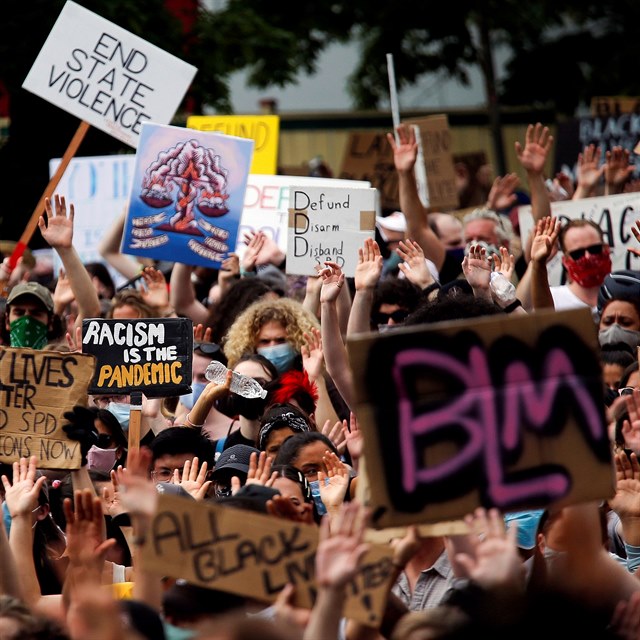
(28, 332)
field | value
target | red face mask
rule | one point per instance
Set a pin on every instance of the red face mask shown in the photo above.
(591, 270)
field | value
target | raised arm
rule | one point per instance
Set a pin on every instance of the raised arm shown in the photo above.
(404, 159)
(110, 250)
(589, 172)
(57, 230)
(367, 275)
(544, 242)
(617, 170)
(532, 157)
(182, 295)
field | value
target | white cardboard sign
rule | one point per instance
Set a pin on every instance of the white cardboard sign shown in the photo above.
(328, 224)
(107, 76)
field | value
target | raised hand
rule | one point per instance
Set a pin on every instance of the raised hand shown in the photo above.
(111, 496)
(332, 282)
(334, 484)
(155, 292)
(405, 152)
(353, 437)
(57, 230)
(254, 242)
(545, 239)
(137, 493)
(229, 271)
(631, 427)
(63, 293)
(477, 270)
(504, 263)
(260, 470)
(335, 434)
(312, 354)
(74, 344)
(341, 546)
(200, 334)
(537, 145)
(193, 479)
(617, 169)
(495, 562)
(22, 496)
(502, 194)
(414, 267)
(281, 507)
(589, 170)
(626, 502)
(369, 268)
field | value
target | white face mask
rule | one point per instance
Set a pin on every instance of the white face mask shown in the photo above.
(101, 459)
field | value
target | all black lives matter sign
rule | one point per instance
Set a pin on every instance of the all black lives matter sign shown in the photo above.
(152, 355)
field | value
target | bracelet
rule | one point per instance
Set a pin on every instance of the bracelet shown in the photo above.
(512, 306)
(190, 424)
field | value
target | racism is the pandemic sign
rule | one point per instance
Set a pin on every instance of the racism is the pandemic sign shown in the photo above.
(153, 355)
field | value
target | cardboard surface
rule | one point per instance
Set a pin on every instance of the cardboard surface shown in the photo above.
(614, 214)
(437, 147)
(153, 355)
(368, 156)
(328, 224)
(504, 412)
(107, 76)
(187, 196)
(263, 130)
(36, 388)
(254, 555)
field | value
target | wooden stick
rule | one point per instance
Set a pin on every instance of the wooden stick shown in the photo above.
(77, 139)
(135, 417)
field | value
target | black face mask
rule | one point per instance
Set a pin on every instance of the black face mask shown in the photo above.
(234, 405)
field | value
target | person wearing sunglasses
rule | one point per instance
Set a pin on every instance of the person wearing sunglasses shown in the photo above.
(587, 261)
(110, 449)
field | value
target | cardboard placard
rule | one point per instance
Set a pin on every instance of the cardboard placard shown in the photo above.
(437, 149)
(152, 355)
(187, 197)
(263, 130)
(604, 106)
(328, 224)
(495, 412)
(107, 76)
(368, 156)
(614, 214)
(36, 388)
(254, 555)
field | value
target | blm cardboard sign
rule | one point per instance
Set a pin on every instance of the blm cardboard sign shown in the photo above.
(255, 555)
(615, 215)
(107, 76)
(36, 388)
(328, 224)
(494, 412)
(153, 355)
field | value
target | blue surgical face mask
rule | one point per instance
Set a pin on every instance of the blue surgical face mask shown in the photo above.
(391, 263)
(189, 399)
(121, 411)
(315, 494)
(281, 356)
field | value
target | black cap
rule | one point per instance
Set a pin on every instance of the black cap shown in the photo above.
(235, 458)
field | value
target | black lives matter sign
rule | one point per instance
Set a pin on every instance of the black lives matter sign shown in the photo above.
(36, 388)
(152, 355)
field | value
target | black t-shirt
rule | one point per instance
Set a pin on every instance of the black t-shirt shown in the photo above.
(235, 437)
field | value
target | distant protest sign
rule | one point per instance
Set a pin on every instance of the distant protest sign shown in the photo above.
(36, 388)
(496, 412)
(328, 224)
(107, 76)
(254, 555)
(263, 130)
(614, 214)
(153, 355)
(187, 196)
(368, 156)
(437, 148)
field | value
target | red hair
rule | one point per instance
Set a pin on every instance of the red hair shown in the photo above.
(295, 385)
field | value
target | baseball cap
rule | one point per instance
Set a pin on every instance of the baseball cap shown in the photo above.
(394, 222)
(234, 458)
(32, 289)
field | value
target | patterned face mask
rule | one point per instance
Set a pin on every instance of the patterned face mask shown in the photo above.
(28, 332)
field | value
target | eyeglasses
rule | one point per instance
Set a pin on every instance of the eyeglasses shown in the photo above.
(397, 316)
(594, 250)
(164, 474)
(206, 348)
(626, 391)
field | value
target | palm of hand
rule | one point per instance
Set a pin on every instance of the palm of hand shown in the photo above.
(312, 363)
(367, 274)
(405, 157)
(19, 498)
(336, 560)
(497, 563)
(478, 272)
(626, 502)
(588, 173)
(156, 295)
(540, 248)
(533, 157)
(59, 232)
(333, 492)
(355, 443)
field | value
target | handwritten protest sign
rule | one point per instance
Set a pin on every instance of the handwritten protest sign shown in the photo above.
(254, 555)
(368, 156)
(437, 147)
(36, 388)
(604, 106)
(153, 355)
(615, 215)
(107, 76)
(187, 196)
(263, 130)
(499, 412)
(328, 224)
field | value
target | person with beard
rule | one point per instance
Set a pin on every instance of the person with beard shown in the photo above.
(244, 412)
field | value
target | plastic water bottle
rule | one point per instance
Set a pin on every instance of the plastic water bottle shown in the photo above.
(502, 289)
(244, 386)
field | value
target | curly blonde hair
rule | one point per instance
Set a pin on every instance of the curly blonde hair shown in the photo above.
(241, 337)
